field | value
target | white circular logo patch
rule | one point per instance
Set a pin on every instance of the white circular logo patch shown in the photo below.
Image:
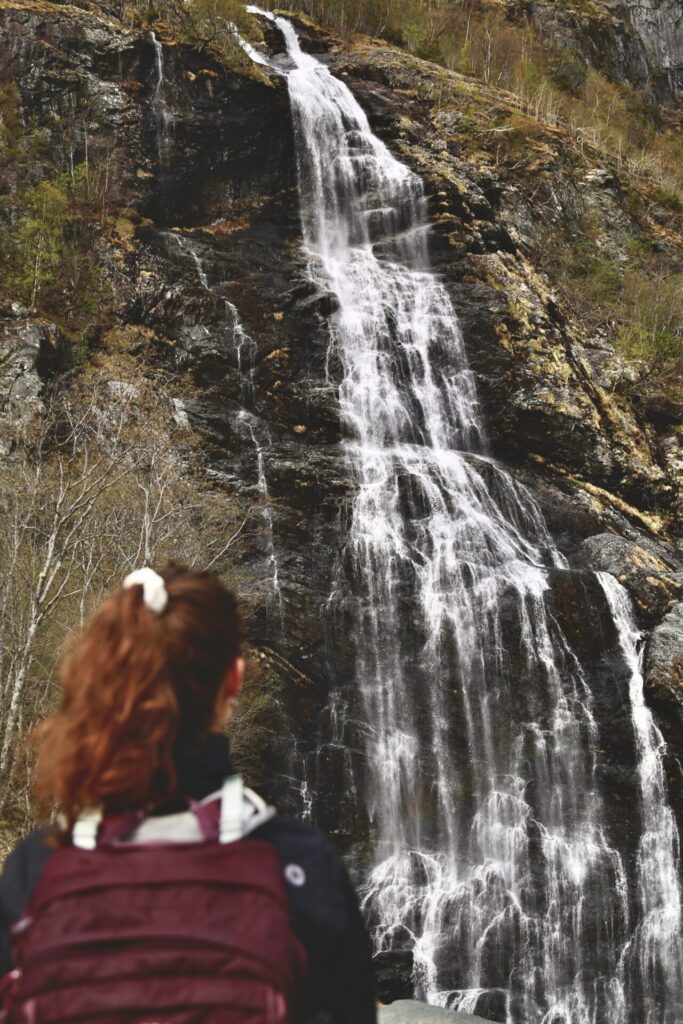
(295, 874)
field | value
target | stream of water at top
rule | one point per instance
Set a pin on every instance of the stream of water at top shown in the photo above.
(492, 862)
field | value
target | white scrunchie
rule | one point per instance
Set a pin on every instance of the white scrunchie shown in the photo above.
(154, 592)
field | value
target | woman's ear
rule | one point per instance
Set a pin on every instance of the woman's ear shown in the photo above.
(227, 695)
(232, 681)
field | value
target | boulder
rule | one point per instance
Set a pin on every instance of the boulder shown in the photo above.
(664, 664)
(654, 582)
(408, 1011)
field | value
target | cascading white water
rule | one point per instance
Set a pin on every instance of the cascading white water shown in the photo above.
(491, 864)
(245, 355)
(268, 518)
(251, 51)
(245, 349)
(159, 104)
(655, 951)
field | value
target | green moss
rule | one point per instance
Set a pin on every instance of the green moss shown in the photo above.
(638, 248)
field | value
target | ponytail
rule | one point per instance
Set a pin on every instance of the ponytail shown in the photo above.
(138, 691)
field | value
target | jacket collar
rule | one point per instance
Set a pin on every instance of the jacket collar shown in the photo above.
(201, 770)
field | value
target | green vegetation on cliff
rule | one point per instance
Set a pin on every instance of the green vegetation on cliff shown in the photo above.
(52, 263)
(642, 303)
(53, 211)
(210, 24)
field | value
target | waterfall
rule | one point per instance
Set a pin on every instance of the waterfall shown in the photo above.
(267, 518)
(159, 104)
(251, 51)
(242, 344)
(492, 864)
(654, 954)
(245, 349)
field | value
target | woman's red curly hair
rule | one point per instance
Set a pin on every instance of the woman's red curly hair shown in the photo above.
(138, 691)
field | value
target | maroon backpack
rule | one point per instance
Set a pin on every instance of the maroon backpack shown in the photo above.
(161, 931)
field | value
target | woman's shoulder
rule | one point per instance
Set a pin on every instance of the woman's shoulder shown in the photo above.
(316, 877)
(327, 919)
(22, 869)
(291, 835)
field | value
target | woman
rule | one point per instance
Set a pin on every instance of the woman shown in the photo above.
(168, 894)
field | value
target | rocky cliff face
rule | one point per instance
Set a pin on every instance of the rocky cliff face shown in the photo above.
(635, 41)
(659, 25)
(209, 290)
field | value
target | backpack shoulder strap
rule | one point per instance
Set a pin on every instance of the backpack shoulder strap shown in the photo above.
(232, 808)
(240, 812)
(86, 827)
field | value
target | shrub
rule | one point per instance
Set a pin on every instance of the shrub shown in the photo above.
(595, 275)
(651, 315)
(569, 72)
(669, 197)
(40, 237)
(53, 263)
(212, 24)
(102, 488)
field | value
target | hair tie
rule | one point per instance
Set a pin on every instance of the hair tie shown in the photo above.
(154, 593)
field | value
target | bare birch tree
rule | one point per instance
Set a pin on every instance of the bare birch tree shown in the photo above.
(101, 491)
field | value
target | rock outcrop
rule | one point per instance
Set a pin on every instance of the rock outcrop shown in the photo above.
(407, 1011)
(659, 25)
(664, 665)
(653, 581)
(634, 41)
(30, 350)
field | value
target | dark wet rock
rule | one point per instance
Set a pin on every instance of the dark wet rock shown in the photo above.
(223, 136)
(662, 407)
(652, 575)
(393, 973)
(664, 665)
(216, 420)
